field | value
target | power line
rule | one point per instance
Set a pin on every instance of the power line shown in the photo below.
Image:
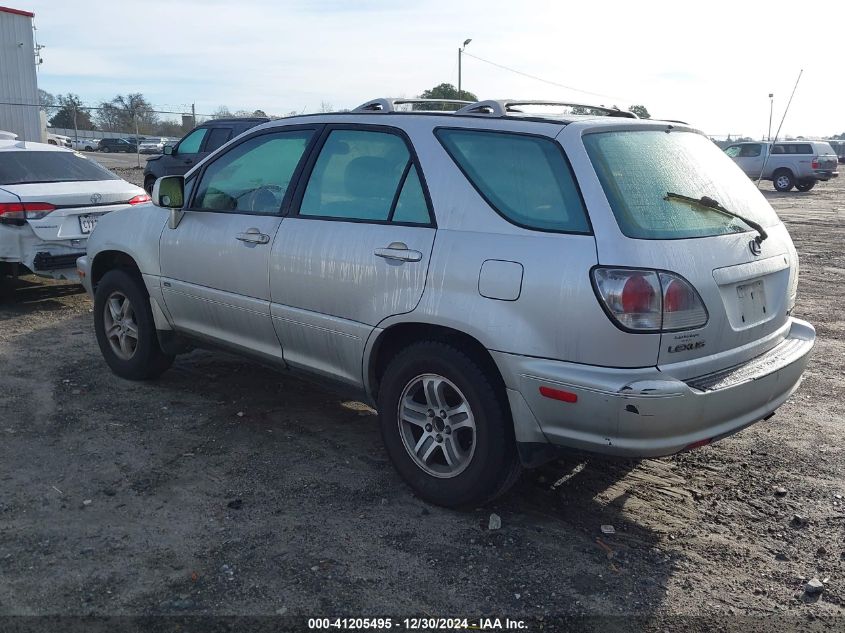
(546, 81)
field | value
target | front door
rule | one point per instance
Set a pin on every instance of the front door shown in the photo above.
(215, 263)
(353, 251)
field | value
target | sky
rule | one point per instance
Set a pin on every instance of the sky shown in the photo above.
(712, 64)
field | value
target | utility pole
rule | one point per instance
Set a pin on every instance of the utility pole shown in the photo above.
(460, 53)
(771, 108)
(75, 127)
(194, 114)
(137, 139)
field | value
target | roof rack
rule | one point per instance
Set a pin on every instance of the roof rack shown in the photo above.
(502, 107)
(386, 105)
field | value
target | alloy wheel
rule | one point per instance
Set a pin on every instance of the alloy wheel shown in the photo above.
(120, 325)
(437, 425)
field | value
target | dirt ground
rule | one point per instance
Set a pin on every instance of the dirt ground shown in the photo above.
(227, 488)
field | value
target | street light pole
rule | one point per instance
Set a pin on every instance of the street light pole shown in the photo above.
(460, 53)
(771, 107)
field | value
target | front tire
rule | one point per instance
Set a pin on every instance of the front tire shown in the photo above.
(105, 150)
(149, 183)
(446, 425)
(125, 329)
(805, 185)
(783, 180)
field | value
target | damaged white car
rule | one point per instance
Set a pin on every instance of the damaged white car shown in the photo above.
(50, 200)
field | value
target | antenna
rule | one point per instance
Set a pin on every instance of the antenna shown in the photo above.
(783, 118)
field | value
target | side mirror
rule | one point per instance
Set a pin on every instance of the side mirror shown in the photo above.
(169, 192)
(168, 150)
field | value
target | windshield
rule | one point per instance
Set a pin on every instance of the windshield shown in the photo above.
(20, 168)
(637, 168)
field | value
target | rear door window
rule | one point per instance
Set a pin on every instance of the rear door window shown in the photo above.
(638, 168)
(365, 175)
(526, 179)
(217, 137)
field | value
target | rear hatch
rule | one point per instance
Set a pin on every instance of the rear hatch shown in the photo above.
(747, 288)
(62, 192)
(827, 160)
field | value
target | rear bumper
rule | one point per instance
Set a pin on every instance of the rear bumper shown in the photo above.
(647, 413)
(57, 260)
(823, 174)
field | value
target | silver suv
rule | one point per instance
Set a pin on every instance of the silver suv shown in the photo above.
(497, 283)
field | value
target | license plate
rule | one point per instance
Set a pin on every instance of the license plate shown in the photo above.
(752, 302)
(87, 222)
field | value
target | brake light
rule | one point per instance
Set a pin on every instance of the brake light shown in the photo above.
(815, 163)
(648, 300)
(24, 210)
(140, 199)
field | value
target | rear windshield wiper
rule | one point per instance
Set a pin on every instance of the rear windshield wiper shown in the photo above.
(706, 202)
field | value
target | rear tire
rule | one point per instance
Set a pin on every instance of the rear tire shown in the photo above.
(125, 329)
(805, 185)
(783, 180)
(463, 458)
(105, 150)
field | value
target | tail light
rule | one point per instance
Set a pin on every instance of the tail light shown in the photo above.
(648, 300)
(140, 199)
(815, 164)
(18, 212)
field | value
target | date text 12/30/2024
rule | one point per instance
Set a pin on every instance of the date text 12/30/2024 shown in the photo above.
(417, 624)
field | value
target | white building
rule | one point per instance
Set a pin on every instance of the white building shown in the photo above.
(19, 107)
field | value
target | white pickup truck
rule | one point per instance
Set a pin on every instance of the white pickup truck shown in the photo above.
(799, 164)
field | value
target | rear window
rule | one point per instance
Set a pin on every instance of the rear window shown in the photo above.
(526, 179)
(793, 148)
(637, 169)
(19, 168)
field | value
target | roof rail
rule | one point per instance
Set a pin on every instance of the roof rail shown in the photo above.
(386, 105)
(502, 107)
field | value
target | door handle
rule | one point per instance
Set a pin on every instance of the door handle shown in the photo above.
(253, 236)
(398, 252)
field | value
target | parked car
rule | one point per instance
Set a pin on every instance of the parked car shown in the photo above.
(58, 139)
(194, 146)
(799, 164)
(153, 145)
(50, 200)
(85, 144)
(7, 136)
(117, 145)
(498, 284)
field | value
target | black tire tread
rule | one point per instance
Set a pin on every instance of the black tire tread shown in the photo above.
(483, 384)
(149, 361)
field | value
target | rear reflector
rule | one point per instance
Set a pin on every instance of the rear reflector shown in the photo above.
(140, 199)
(558, 394)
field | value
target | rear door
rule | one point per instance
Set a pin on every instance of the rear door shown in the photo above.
(747, 291)
(215, 263)
(354, 250)
(826, 158)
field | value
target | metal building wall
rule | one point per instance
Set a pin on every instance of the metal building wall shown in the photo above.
(18, 83)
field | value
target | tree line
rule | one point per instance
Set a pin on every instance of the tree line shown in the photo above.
(120, 114)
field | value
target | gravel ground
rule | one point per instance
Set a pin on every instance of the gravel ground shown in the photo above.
(227, 488)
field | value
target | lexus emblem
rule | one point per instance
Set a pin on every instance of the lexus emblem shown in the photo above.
(755, 247)
(95, 198)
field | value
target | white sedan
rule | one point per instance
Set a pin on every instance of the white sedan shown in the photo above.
(50, 200)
